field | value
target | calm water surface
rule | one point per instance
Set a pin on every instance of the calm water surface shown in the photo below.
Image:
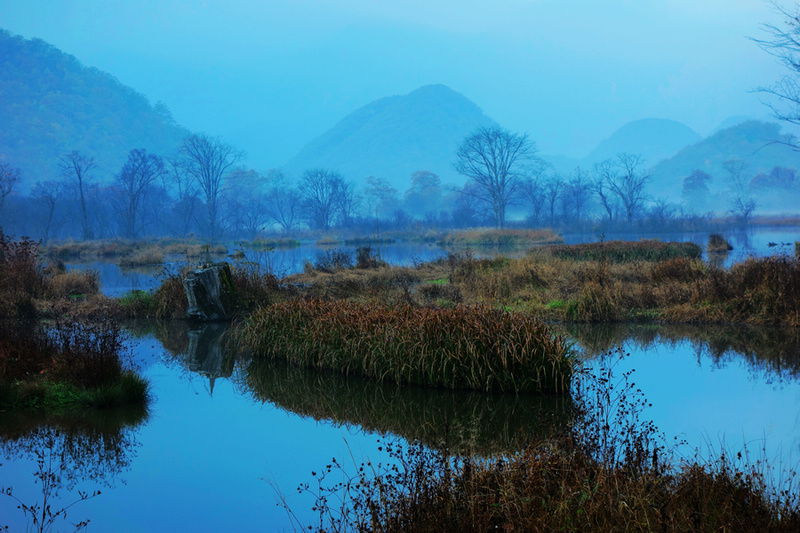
(220, 440)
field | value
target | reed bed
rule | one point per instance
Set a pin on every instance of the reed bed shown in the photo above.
(501, 237)
(142, 257)
(626, 251)
(476, 348)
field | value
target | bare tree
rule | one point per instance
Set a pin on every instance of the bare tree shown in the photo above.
(743, 205)
(137, 174)
(320, 191)
(208, 161)
(77, 169)
(604, 172)
(186, 195)
(494, 159)
(47, 194)
(576, 195)
(283, 201)
(625, 178)
(552, 190)
(784, 44)
(9, 177)
(532, 194)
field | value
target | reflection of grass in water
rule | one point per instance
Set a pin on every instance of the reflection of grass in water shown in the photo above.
(773, 350)
(610, 471)
(478, 422)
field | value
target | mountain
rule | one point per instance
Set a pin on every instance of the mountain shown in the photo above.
(761, 145)
(394, 136)
(51, 104)
(653, 138)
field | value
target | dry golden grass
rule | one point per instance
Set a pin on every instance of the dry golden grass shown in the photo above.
(476, 348)
(674, 288)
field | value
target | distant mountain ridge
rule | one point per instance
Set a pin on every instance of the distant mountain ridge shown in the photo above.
(652, 138)
(394, 136)
(50, 104)
(760, 145)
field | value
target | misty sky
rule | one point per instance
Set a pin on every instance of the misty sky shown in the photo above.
(268, 76)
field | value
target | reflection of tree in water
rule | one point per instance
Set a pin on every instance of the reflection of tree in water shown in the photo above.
(90, 446)
(773, 352)
(467, 421)
(96, 445)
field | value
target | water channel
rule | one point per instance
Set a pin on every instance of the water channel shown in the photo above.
(221, 440)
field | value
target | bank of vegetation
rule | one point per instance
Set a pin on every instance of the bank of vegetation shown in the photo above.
(65, 362)
(597, 282)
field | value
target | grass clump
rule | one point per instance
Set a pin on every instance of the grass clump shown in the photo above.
(718, 244)
(501, 237)
(475, 348)
(143, 257)
(66, 363)
(626, 251)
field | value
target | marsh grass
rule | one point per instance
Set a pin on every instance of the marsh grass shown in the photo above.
(625, 251)
(611, 471)
(477, 348)
(501, 237)
(66, 363)
(147, 256)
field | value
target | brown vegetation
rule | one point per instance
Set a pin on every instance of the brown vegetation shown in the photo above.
(608, 471)
(602, 282)
(476, 348)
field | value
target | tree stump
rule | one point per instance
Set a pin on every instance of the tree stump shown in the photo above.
(210, 293)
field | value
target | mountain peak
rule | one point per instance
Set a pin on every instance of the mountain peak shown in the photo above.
(396, 135)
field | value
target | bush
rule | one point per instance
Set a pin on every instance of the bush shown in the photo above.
(718, 244)
(333, 260)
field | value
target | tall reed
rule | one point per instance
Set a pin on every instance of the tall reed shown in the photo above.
(476, 348)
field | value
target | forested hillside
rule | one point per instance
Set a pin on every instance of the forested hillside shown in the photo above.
(50, 104)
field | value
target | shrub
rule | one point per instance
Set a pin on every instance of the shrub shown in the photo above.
(718, 244)
(333, 260)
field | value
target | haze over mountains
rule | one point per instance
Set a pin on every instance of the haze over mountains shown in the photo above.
(395, 136)
(50, 104)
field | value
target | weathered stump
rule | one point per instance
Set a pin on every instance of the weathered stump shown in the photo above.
(209, 291)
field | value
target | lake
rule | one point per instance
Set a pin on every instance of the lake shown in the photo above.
(221, 441)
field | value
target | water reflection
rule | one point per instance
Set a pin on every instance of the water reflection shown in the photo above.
(78, 452)
(773, 352)
(474, 422)
(483, 423)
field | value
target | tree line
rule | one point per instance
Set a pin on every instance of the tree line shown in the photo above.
(204, 191)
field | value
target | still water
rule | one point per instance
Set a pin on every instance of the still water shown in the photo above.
(755, 242)
(222, 440)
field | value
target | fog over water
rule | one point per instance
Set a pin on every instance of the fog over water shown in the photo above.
(270, 76)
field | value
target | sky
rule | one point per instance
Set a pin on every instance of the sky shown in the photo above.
(270, 75)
